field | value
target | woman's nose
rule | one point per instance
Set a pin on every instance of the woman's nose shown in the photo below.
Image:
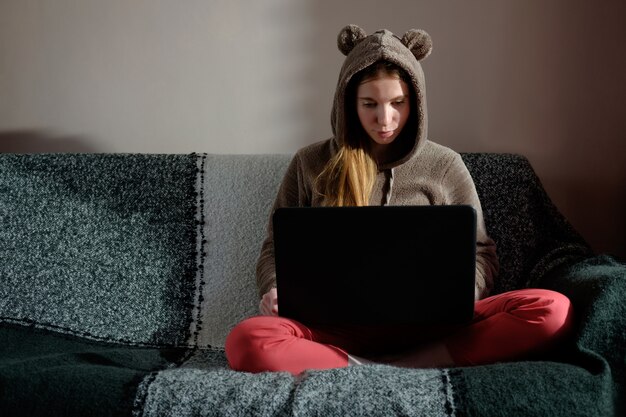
(384, 115)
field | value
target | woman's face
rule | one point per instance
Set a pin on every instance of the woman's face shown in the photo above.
(383, 107)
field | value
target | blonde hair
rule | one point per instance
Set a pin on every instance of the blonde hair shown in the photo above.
(348, 178)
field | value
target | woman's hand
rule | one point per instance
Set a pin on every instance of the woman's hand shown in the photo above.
(269, 303)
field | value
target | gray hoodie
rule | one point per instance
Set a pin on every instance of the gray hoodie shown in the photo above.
(426, 174)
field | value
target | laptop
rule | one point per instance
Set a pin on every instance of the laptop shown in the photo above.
(376, 265)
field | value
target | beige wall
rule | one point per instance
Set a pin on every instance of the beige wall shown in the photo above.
(544, 79)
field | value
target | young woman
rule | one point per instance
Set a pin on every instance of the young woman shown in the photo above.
(380, 155)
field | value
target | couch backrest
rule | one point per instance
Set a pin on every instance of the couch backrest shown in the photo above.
(162, 249)
(238, 192)
(532, 237)
(99, 245)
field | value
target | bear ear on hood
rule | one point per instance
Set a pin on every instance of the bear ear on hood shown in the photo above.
(418, 42)
(348, 37)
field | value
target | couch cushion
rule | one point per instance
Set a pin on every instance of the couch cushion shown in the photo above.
(375, 390)
(99, 245)
(508, 389)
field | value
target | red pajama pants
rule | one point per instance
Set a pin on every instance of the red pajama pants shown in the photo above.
(508, 326)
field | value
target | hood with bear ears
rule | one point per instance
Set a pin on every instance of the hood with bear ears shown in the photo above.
(362, 51)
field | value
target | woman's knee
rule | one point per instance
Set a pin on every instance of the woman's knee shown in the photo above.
(561, 311)
(240, 342)
(550, 310)
(245, 344)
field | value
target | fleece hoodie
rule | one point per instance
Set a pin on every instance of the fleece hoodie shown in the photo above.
(425, 174)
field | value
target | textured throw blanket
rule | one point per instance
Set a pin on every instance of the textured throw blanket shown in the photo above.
(119, 272)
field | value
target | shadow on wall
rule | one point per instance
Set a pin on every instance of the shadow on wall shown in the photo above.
(37, 141)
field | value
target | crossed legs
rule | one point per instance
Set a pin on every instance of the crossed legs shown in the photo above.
(506, 326)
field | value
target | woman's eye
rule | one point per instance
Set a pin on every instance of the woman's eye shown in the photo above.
(399, 102)
(369, 104)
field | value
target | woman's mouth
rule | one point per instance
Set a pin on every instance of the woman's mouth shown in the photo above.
(384, 134)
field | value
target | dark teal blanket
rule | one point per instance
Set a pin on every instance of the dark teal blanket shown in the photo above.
(48, 374)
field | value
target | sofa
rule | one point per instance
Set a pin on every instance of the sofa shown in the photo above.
(122, 274)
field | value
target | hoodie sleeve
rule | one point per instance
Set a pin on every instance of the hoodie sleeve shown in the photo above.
(458, 188)
(290, 194)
